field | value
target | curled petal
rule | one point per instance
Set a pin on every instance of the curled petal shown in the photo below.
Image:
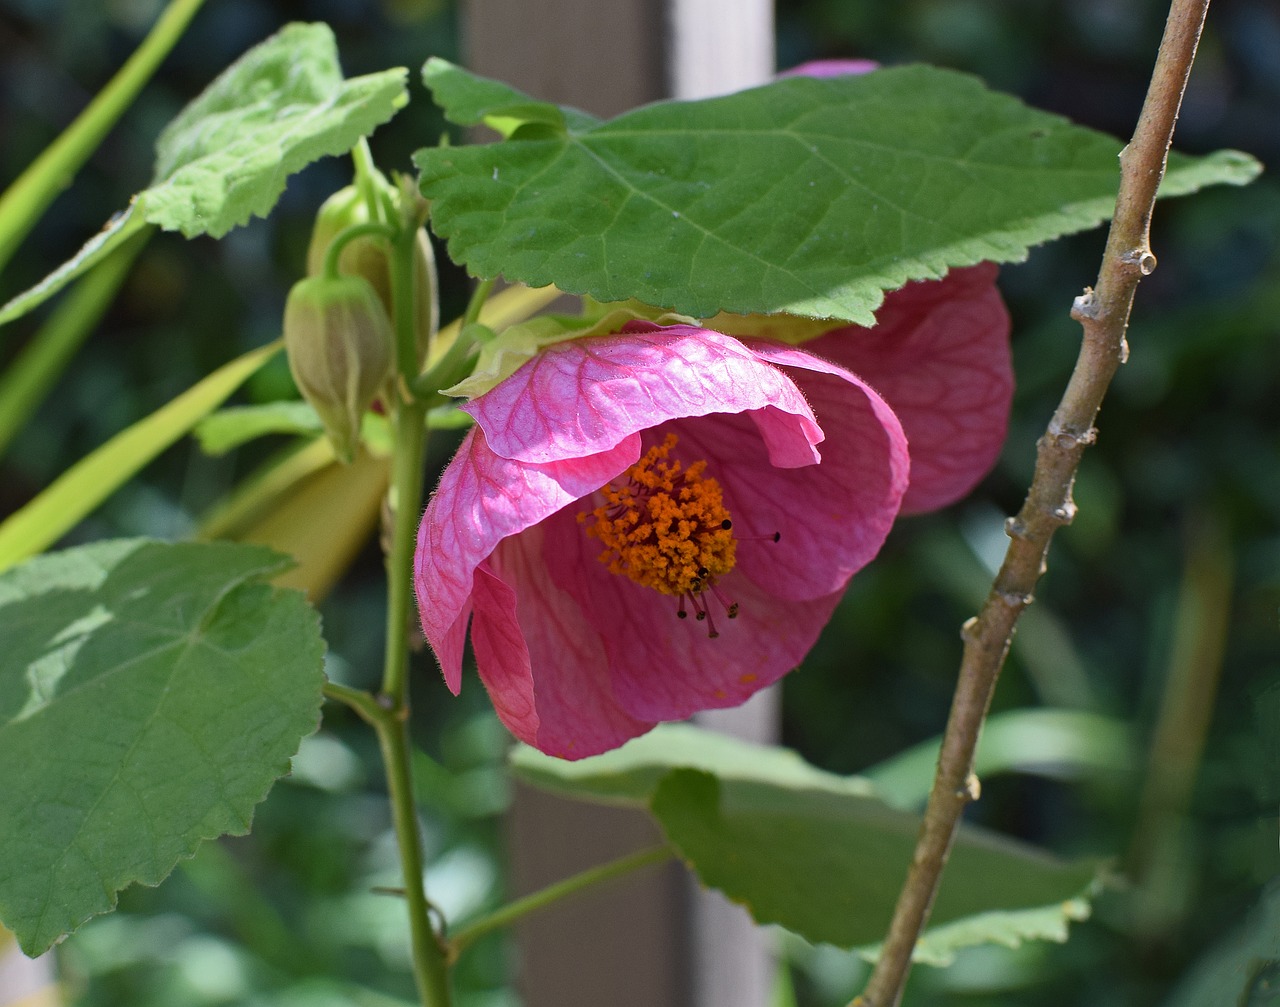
(582, 397)
(940, 355)
(482, 499)
(833, 517)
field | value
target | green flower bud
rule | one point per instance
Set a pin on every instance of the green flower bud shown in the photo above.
(368, 256)
(340, 347)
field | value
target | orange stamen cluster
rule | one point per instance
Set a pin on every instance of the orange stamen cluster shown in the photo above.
(665, 526)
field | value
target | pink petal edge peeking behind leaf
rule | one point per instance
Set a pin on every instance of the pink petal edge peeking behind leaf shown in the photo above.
(940, 356)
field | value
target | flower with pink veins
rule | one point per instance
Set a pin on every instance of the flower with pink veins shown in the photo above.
(652, 523)
(939, 354)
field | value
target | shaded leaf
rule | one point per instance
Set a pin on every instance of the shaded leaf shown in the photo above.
(1060, 744)
(629, 775)
(151, 693)
(810, 196)
(829, 866)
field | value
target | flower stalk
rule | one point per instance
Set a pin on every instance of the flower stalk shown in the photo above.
(514, 911)
(1103, 313)
(388, 712)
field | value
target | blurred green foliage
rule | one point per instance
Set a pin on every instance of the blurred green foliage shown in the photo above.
(1179, 519)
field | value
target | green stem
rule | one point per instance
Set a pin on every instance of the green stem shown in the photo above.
(403, 296)
(362, 702)
(390, 722)
(406, 490)
(366, 173)
(348, 234)
(512, 912)
(32, 192)
(476, 304)
(430, 965)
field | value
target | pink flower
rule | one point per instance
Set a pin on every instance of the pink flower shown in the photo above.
(939, 354)
(831, 68)
(617, 483)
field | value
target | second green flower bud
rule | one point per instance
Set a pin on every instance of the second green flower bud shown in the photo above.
(340, 346)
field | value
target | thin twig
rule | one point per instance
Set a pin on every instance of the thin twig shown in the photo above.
(1103, 313)
(553, 893)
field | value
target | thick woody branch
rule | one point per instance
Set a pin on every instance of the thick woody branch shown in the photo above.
(1103, 313)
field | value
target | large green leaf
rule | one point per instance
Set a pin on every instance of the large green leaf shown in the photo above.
(829, 866)
(818, 853)
(149, 695)
(228, 154)
(807, 196)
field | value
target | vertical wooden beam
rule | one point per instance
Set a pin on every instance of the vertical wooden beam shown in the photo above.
(660, 941)
(602, 56)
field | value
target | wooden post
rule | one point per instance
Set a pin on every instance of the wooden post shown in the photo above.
(657, 940)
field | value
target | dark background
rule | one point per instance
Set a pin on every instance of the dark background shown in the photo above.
(1180, 496)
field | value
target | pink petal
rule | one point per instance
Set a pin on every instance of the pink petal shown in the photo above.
(833, 517)
(831, 68)
(578, 713)
(584, 396)
(502, 653)
(940, 355)
(666, 668)
(483, 498)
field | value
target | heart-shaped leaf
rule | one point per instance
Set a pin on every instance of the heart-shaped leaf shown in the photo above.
(809, 196)
(150, 694)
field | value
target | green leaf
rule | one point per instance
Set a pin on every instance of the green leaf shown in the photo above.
(149, 695)
(74, 494)
(629, 775)
(807, 196)
(282, 105)
(829, 866)
(470, 101)
(1007, 928)
(229, 428)
(113, 237)
(1060, 744)
(228, 154)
